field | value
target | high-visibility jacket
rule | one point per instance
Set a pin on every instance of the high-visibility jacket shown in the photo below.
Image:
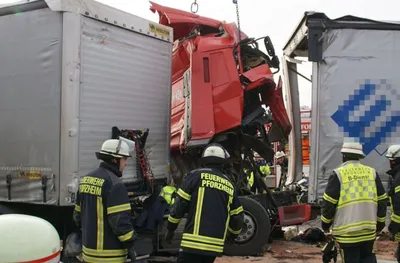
(168, 193)
(394, 194)
(265, 170)
(103, 211)
(354, 203)
(213, 209)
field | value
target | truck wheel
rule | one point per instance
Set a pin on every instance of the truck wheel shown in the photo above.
(255, 233)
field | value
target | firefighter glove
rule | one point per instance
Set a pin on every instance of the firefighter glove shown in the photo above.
(393, 228)
(132, 254)
(168, 236)
(380, 226)
(230, 238)
(326, 227)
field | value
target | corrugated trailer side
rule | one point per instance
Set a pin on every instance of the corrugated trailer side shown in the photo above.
(71, 70)
(124, 81)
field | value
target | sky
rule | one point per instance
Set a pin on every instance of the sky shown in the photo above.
(277, 19)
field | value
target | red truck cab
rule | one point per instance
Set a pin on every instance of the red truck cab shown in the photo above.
(218, 79)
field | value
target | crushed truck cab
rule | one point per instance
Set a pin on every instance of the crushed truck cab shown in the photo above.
(217, 78)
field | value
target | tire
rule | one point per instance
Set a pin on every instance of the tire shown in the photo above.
(255, 245)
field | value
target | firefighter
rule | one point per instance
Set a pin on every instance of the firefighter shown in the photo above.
(103, 210)
(393, 154)
(27, 238)
(264, 169)
(282, 161)
(214, 210)
(354, 204)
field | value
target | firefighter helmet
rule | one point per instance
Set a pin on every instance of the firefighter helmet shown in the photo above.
(115, 148)
(393, 152)
(28, 239)
(279, 154)
(353, 148)
(215, 150)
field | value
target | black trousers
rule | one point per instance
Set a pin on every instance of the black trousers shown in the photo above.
(398, 252)
(358, 253)
(185, 257)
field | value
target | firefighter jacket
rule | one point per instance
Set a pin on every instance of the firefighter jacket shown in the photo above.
(103, 211)
(354, 203)
(214, 209)
(394, 195)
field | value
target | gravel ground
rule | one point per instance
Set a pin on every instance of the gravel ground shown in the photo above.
(294, 252)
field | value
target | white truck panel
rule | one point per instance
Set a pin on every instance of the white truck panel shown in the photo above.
(355, 90)
(69, 74)
(358, 99)
(30, 81)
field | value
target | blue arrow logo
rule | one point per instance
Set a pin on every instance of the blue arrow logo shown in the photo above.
(369, 114)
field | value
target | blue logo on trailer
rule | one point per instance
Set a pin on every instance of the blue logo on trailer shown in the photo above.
(370, 114)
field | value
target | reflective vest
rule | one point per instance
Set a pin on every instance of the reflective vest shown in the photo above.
(356, 214)
(167, 192)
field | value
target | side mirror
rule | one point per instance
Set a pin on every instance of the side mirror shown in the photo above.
(271, 52)
(269, 47)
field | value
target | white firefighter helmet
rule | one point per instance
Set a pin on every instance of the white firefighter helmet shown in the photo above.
(215, 150)
(352, 147)
(28, 239)
(256, 155)
(279, 154)
(115, 148)
(393, 152)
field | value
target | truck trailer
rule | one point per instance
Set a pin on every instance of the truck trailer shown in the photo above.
(355, 91)
(71, 70)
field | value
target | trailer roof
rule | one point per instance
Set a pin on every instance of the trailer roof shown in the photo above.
(95, 10)
(305, 39)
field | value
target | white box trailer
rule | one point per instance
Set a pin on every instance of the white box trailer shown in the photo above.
(70, 71)
(355, 90)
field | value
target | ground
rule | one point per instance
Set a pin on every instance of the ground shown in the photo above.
(292, 252)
